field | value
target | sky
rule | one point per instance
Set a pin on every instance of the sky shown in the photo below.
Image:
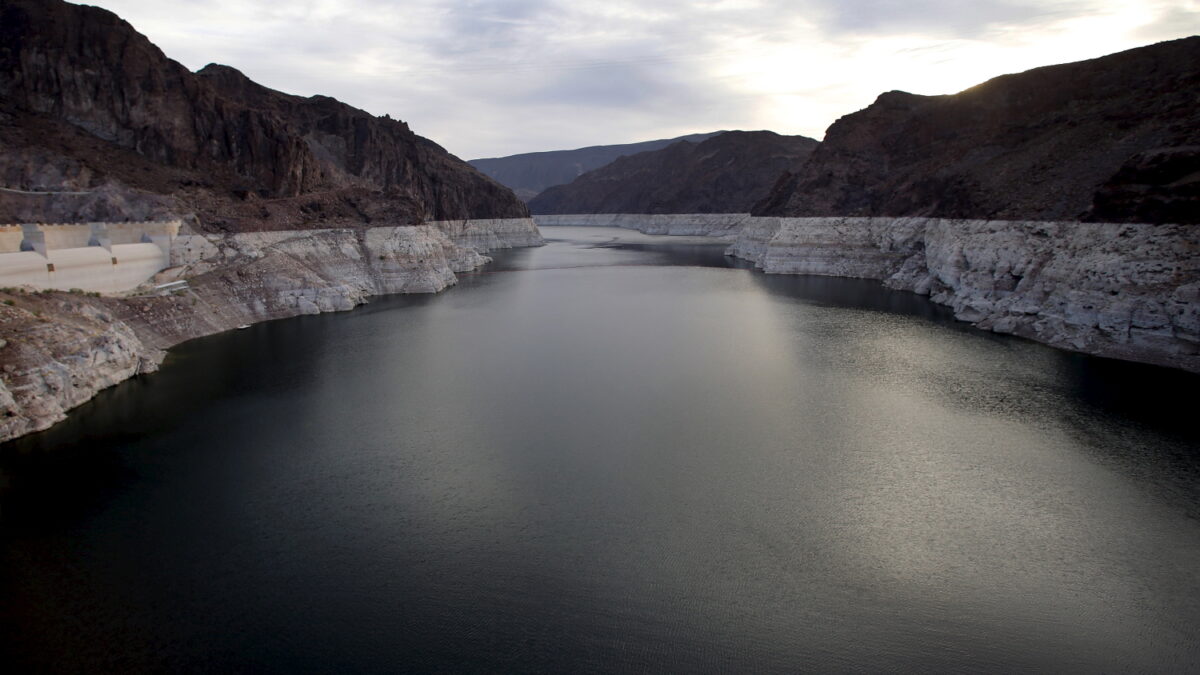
(487, 78)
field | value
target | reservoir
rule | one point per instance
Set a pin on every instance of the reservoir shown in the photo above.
(612, 453)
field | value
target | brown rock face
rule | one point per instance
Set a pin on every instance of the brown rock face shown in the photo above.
(81, 89)
(727, 173)
(1110, 139)
(528, 174)
(1158, 186)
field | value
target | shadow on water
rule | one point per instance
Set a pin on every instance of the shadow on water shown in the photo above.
(532, 469)
(688, 255)
(57, 475)
(51, 478)
(1150, 396)
(865, 294)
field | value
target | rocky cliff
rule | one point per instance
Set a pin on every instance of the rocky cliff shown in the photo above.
(724, 174)
(1129, 291)
(58, 349)
(530, 173)
(89, 106)
(290, 205)
(1110, 139)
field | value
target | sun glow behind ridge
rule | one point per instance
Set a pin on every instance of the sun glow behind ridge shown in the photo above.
(495, 78)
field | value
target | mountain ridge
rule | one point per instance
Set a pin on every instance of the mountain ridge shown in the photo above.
(727, 173)
(530, 173)
(1110, 139)
(88, 102)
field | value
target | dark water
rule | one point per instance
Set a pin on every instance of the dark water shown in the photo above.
(599, 456)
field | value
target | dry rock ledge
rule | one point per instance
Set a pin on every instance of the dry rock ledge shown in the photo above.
(1121, 290)
(58, 349)
(721, 225)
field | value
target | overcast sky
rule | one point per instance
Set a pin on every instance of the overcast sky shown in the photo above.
(487, 78)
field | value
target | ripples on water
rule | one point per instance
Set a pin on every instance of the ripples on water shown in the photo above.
(613, 453)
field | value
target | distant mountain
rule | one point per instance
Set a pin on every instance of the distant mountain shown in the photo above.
(529, 173)
(723, 174)
(1111, 139)
(88, 106)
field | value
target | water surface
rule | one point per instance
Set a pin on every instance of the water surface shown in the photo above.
(612, 453)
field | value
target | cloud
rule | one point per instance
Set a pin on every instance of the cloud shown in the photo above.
(495, 77)
(1173, 22)
(952, 18)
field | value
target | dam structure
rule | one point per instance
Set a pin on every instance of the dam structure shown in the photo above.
(97, 257)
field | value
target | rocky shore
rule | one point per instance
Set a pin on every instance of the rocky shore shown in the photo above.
(58, 349)
(720, 225)
(1122, 290)
(289, 205)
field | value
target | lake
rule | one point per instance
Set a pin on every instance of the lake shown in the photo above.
(613, 453)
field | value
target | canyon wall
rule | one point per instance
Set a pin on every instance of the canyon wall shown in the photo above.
(287, 205)
(528, 174)
(1123, 290)
(96, 123)
(58, 349)
(727, 173)
(1113, 139)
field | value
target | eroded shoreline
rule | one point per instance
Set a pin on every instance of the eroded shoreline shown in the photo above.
(1120, 290)
(60, 349)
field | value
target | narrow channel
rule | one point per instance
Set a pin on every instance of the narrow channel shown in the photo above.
(620, 452)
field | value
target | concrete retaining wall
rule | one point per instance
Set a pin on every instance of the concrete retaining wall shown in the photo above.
(101, 257)
(10, 238)
(90, 268)
(66, 236)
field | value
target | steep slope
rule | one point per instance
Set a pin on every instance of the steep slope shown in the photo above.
(724, 174)
(290, 205)
(1111, 139)
(530, 173)
(89, 105)
(1121, 290)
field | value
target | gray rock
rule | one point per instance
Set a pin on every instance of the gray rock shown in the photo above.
(1129, 291)
(721, 225)
(71, 347)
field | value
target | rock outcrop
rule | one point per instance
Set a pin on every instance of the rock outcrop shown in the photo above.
(528, 174)
(1110, 139)
(728, 173)
(290, 205)
(1129, 291)
(58, 349)
(88, 105)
